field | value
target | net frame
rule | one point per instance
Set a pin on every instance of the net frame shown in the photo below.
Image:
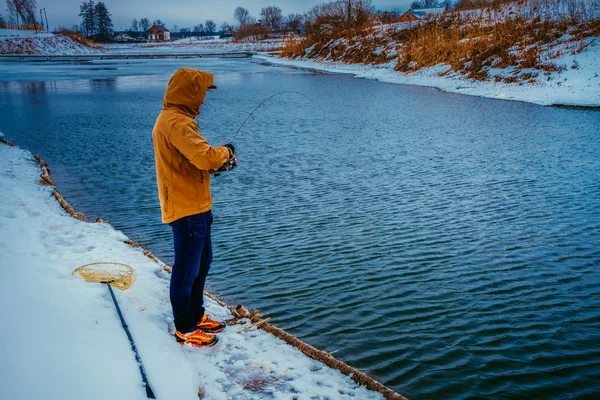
(118, 275)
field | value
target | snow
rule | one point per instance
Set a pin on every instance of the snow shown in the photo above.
(29, 42)
(62, 338)
(15, 33)
(578, 86)
(193, 45)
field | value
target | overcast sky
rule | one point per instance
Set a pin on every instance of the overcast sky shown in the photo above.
(185, 13)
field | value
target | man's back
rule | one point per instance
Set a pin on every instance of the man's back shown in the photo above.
(183, 157)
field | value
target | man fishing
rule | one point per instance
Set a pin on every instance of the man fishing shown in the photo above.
(184, 161)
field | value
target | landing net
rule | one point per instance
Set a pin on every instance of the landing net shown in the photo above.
(120, 276)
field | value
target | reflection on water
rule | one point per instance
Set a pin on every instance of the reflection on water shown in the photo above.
(446, 244)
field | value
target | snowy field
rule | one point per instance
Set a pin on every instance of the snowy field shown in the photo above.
(62, 338)
(193, 45)
(15, 33)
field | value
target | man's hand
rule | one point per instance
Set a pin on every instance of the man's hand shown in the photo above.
(231, 149)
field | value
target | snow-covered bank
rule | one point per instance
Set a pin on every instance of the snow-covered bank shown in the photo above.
(41, 43)
(193, 45)
(62, 339)
(578, 86)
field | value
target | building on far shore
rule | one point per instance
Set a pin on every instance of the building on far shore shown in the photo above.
(420, 13)
(122, 37)
(159, 33)
(228, 33)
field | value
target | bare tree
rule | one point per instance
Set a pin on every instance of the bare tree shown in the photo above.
(23, 9)
(13, 8)
(210, 26)
(360, 12)
(144, 24)
(272, 17)
(294, 21)
(199, 28)
(241, 15)
(26, 9)
(225, 26)
(338, 15)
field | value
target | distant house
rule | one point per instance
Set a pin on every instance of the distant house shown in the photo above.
(159, 33)
(122, 37)
(420, 13)
(228, 33)
(300, 30)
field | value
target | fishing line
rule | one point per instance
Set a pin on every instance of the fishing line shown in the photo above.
(263, 102)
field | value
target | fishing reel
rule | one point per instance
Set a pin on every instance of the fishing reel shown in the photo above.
(230, 164)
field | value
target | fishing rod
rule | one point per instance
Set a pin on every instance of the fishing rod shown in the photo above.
(258, 106)
(232, 162)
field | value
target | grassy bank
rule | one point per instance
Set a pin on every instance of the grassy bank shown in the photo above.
(509, 42)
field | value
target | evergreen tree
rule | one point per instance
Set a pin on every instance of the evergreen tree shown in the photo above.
(104, 22)
(135, 26)
(88, 18)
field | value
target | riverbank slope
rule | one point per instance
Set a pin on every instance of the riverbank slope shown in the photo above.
(62, 339)
(42, 43)
(533, 51)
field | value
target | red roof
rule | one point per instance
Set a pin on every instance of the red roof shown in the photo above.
(158, 28)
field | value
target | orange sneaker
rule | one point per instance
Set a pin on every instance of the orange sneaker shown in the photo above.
(208, 325)
(196, 338)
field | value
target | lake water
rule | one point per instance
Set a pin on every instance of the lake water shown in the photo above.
(447, 245)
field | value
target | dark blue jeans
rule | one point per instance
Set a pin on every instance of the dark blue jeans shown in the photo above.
(193, 255)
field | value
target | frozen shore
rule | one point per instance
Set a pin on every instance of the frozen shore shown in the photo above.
(573, 87)
(62, 338)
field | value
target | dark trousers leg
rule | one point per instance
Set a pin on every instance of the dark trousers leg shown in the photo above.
(193, 255)
(198, 287)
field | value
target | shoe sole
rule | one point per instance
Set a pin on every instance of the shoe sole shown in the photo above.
(212, 330)
(200, 345)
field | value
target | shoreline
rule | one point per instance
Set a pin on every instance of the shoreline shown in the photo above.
(556, 95)
(262, 347)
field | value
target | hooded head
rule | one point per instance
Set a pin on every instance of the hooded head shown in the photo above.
(186, 90)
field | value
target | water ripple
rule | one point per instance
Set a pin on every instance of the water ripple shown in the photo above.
(447, 245)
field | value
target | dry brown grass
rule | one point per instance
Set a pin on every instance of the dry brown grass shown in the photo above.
(356, 45)
(471, 43)
(22, 27)
(77, 37)
(293, 47)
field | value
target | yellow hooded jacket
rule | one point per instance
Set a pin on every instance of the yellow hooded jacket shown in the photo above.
(184, 159)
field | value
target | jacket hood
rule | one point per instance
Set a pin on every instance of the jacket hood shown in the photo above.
(186, 90)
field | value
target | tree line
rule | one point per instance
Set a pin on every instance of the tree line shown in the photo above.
(96, 21)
